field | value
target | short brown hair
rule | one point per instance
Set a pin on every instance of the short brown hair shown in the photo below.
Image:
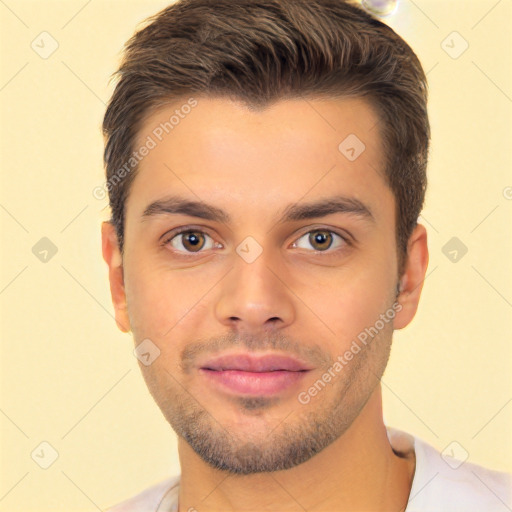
(261, 51)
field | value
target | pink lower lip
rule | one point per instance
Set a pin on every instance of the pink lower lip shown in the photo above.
(254, 383)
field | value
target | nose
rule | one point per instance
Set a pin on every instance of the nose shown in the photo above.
(254, 296)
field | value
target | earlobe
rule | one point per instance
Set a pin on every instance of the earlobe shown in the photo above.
(113, 258)
(411, 282)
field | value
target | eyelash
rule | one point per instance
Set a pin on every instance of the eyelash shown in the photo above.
(192, 229)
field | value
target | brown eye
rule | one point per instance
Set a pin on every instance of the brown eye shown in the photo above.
(320, 240)
(193, 241)
(190, 241)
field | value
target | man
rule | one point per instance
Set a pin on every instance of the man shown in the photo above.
(266, 167)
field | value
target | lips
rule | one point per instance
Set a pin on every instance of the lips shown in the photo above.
(251, 363)
(248, 374)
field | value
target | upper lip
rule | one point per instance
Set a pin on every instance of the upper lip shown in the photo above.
(252, 363)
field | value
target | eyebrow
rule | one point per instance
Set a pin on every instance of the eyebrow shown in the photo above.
(175, 205)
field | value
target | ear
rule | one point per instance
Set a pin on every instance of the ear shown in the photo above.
(112, 255)
(411, 282)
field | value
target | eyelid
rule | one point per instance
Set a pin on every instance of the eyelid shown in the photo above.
(169, 235)
(346, 242)
(338, 231)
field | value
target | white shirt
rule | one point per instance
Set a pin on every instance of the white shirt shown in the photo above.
(441, 483)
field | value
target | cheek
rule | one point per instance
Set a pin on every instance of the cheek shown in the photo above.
(162, 301)
(350, 300)
(349, 311)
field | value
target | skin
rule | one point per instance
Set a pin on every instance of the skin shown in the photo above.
(308, 300)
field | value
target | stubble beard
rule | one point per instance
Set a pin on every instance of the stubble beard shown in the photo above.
(304, 430)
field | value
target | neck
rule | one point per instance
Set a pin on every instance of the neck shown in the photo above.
(358, 471)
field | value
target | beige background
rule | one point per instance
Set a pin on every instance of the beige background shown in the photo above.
(69, 377)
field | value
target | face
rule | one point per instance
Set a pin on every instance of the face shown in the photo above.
(258, 257)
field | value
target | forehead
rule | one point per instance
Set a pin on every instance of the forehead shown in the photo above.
(218, 149)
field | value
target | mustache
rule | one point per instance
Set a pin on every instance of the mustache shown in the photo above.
(252, 342)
